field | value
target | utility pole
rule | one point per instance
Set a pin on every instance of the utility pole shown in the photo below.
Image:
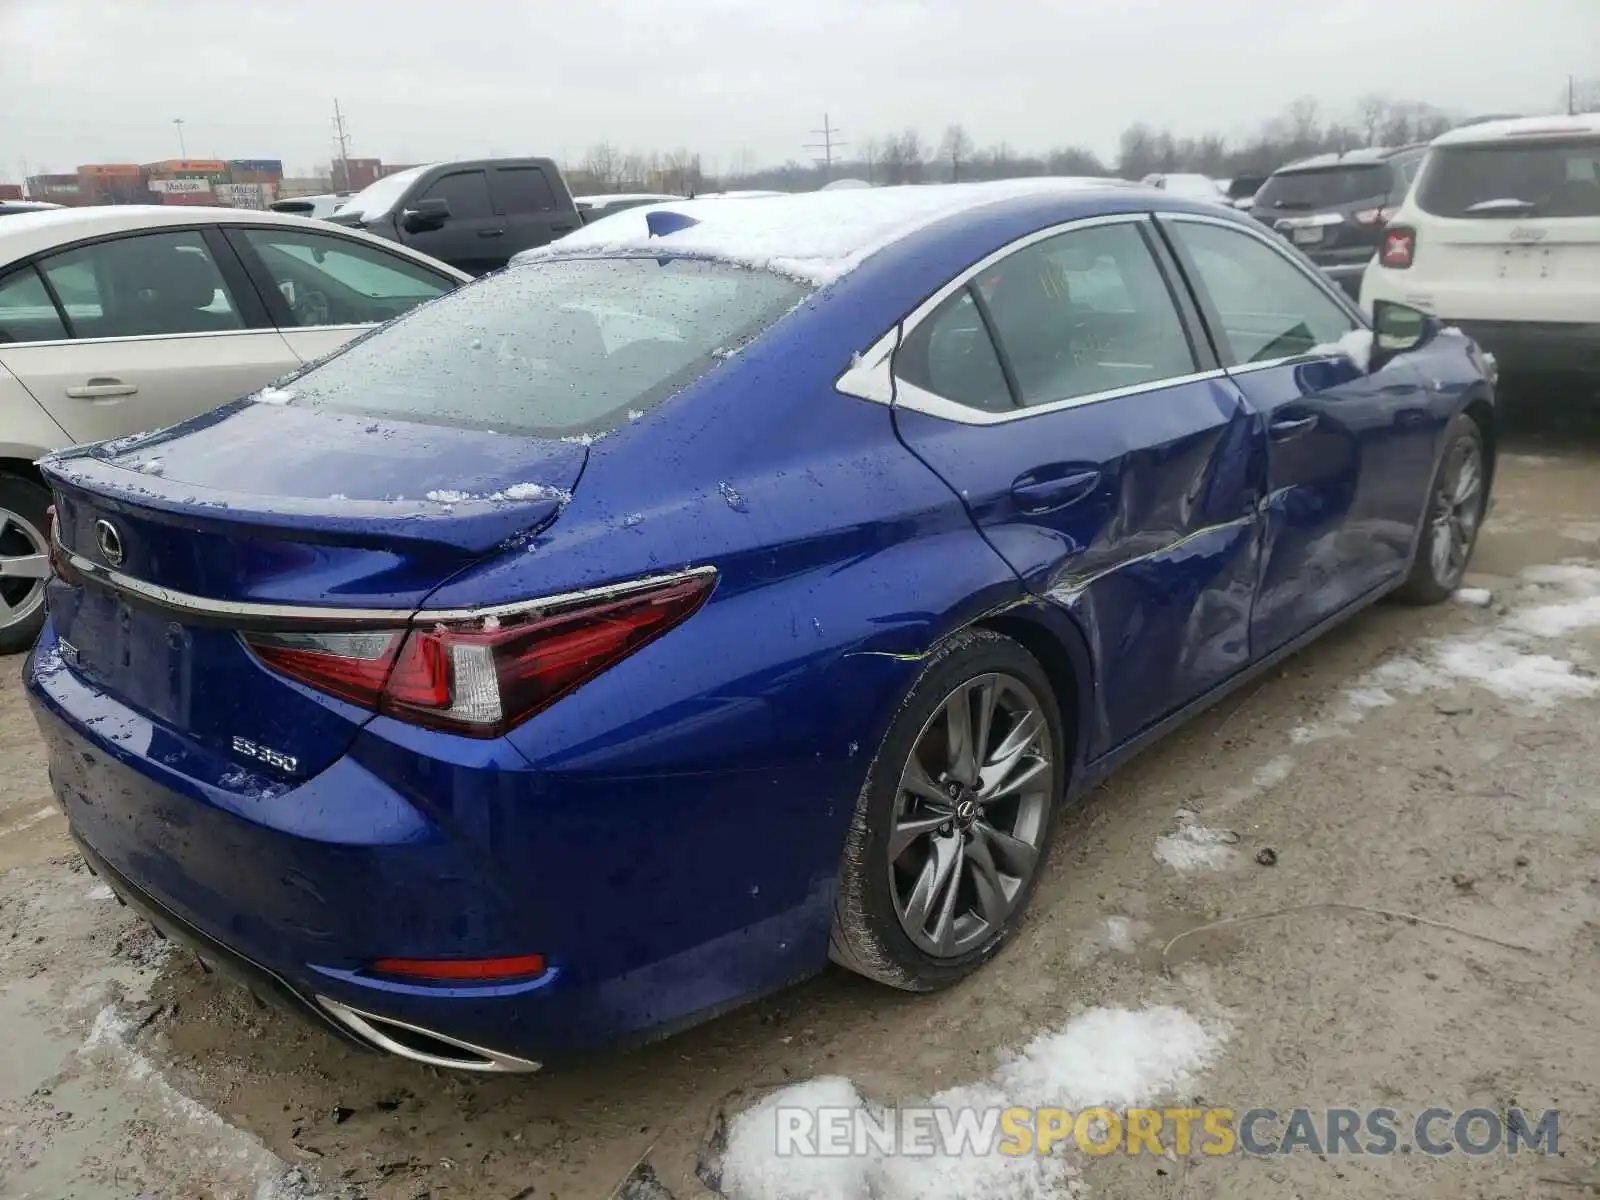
(342, 136)
(182, 150)
(829, 133)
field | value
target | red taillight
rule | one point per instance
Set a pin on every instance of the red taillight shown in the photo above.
(1399, 247)
(60, 562)
(461, 970)
(484, 677)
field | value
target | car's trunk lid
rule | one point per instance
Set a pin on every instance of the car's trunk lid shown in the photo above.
(188, 538)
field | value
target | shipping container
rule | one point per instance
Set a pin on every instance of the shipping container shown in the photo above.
(188, 198)
(188, 166)
(181, 186)
(272, 167)
(118, 170)
(10, 191)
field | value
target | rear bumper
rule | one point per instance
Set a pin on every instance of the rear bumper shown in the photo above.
(1538, 347)
(294, 892)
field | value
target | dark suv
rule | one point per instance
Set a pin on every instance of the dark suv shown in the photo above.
(472, 215)
(1334, 207)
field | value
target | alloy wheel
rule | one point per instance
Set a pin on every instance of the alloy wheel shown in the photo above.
(1457, 509)
(971, 813)
(24, 569)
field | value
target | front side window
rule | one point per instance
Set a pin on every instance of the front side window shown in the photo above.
(327, 280)
(553, 348)
(1514, 179)
(27, 313)
(466, 192)
(146, 286)
(1084, 312)
(1269, 308)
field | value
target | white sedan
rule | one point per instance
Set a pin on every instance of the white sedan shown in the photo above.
(122, 319)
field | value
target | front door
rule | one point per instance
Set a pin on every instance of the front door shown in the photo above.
(156, 333)
(473, 236)
(1061, 394)
(1348, 449)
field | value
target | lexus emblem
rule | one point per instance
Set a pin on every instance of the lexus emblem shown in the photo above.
(110, 541)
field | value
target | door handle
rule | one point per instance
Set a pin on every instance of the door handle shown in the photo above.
(1034, 495)
(490, 232)
(102, 389)
(1283, 431)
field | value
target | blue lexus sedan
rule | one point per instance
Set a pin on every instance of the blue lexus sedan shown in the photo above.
(720, 590)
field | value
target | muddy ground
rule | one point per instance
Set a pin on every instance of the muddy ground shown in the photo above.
(1441, 762)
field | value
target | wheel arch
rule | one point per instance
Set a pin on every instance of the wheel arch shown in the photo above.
(23, 468)
(1055, 641)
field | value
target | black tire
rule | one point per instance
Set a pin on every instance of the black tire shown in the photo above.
(868, 936)
(1427, 582)
(22, 529)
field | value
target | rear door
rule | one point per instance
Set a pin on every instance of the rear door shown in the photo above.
(323, 289)
(1061, 393)
(1513, 230)
(534, 206)
(1349, 452)
(474, 235)
(161, 326)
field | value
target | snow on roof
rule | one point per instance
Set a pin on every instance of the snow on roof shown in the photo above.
(1366, 154)
(813, 236)
(600, 199)
(1585, 124)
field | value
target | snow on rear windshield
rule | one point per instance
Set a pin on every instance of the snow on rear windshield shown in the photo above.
(377, 198)
(1328, 187)
(1513, 179)
(555, 348)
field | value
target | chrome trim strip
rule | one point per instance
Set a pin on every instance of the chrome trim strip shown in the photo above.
(258, 331)
(910, 396)
(254, 614)
(367, 1027)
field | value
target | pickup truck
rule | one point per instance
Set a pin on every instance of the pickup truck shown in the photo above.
(473, 215)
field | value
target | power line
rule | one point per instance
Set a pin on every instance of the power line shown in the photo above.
(830, 142)
(342, 136)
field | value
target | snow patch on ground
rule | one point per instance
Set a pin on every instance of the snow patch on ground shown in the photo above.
(236, 1157)
(1274, 772)
(1196, 848)
(101, 892)
(1474, 597)
(1111, 1057)
(29, 821)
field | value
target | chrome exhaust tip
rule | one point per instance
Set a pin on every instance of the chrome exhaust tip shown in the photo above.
(423, 1045)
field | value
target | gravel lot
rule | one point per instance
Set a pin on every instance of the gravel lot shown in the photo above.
(1441, 762)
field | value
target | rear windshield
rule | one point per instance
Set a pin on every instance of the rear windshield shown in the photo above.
(556, 348)
(1325, 187)
(1549, 179)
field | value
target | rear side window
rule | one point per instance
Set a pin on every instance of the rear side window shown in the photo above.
(1325, 187)
(1513, 179)
(151, 285)
(554, 348)
(467, 193)
(27, 313)
(523, 190)
(950, 355)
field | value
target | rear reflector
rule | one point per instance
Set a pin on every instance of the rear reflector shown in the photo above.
(1399, 247)
(485, 676)
(460, 970)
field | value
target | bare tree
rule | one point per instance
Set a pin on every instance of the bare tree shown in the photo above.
(912, 155)
(603, 162)
(1074, 160)
(1370, 112)
(955, 149)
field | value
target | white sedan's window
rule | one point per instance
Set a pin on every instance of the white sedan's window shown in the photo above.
(26, 312)
(146, 286)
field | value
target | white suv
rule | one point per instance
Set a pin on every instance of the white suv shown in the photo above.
(1500, 235)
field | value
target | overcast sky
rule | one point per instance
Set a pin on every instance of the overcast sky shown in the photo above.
(101, 80)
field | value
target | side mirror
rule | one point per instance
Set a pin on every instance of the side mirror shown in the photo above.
(1398, 329)
(428, 214)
